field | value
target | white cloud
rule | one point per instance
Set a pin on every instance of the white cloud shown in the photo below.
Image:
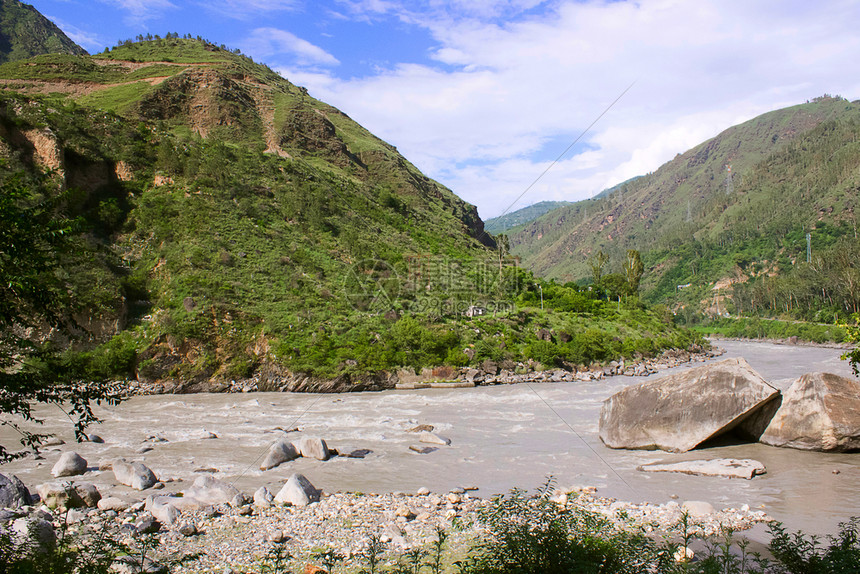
(139, 11)
(82, 38)
(268, 42)
(242, 9)
(503, 89)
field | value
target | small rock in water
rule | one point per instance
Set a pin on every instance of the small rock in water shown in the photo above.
(431, 438)
(280, 452)
(422, 428)
(423, 491)
(312, 447)
(422, 449)
(70, 464)
(95, 438)
(359, 453)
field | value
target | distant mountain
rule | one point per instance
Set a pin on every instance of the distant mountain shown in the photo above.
(793, 171)
(25, 33)
(522, 216)
(609, 190)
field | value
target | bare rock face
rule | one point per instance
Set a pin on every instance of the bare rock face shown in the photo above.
(681, 411)
(819, 411)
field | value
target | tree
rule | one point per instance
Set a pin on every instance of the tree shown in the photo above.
(853, 336)
(633, 270)
(597, 263)
(34, 236)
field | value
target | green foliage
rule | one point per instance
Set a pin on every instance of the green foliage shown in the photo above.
(757, 328)
(853, 336)
(535, 535)
(36, 236)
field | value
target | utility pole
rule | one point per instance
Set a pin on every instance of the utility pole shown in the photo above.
(809, 248)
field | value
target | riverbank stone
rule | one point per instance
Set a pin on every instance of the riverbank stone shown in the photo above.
(13, 493)
(209, 491)
(298, 491)
(679, 412)
(136, 474)
(819, 411)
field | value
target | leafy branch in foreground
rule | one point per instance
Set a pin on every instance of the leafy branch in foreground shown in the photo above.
(34, 302)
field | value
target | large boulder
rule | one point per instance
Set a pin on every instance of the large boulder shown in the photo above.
(679, 412)
(136, 474)
(819, 411)
(13, 493)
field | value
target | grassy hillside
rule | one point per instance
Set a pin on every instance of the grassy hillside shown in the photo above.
(233, 225)
(25, 33)
(794, 171)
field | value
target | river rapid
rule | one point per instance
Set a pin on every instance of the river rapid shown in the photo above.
(501, 437)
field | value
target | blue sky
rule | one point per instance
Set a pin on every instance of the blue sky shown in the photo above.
(483, 94)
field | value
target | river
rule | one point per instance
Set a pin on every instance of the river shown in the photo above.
(501, 437)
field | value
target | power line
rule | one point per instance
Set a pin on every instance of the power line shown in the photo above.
(573, 430)
(567, 149)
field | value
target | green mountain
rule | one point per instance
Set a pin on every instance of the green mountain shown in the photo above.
(522, 216)
(793, 171)
(25, 33)
(231, 226)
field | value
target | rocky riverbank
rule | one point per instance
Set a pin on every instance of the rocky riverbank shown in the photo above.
(238, 535)
(489, 372)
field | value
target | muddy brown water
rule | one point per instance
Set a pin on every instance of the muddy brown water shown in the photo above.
(501, 437)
